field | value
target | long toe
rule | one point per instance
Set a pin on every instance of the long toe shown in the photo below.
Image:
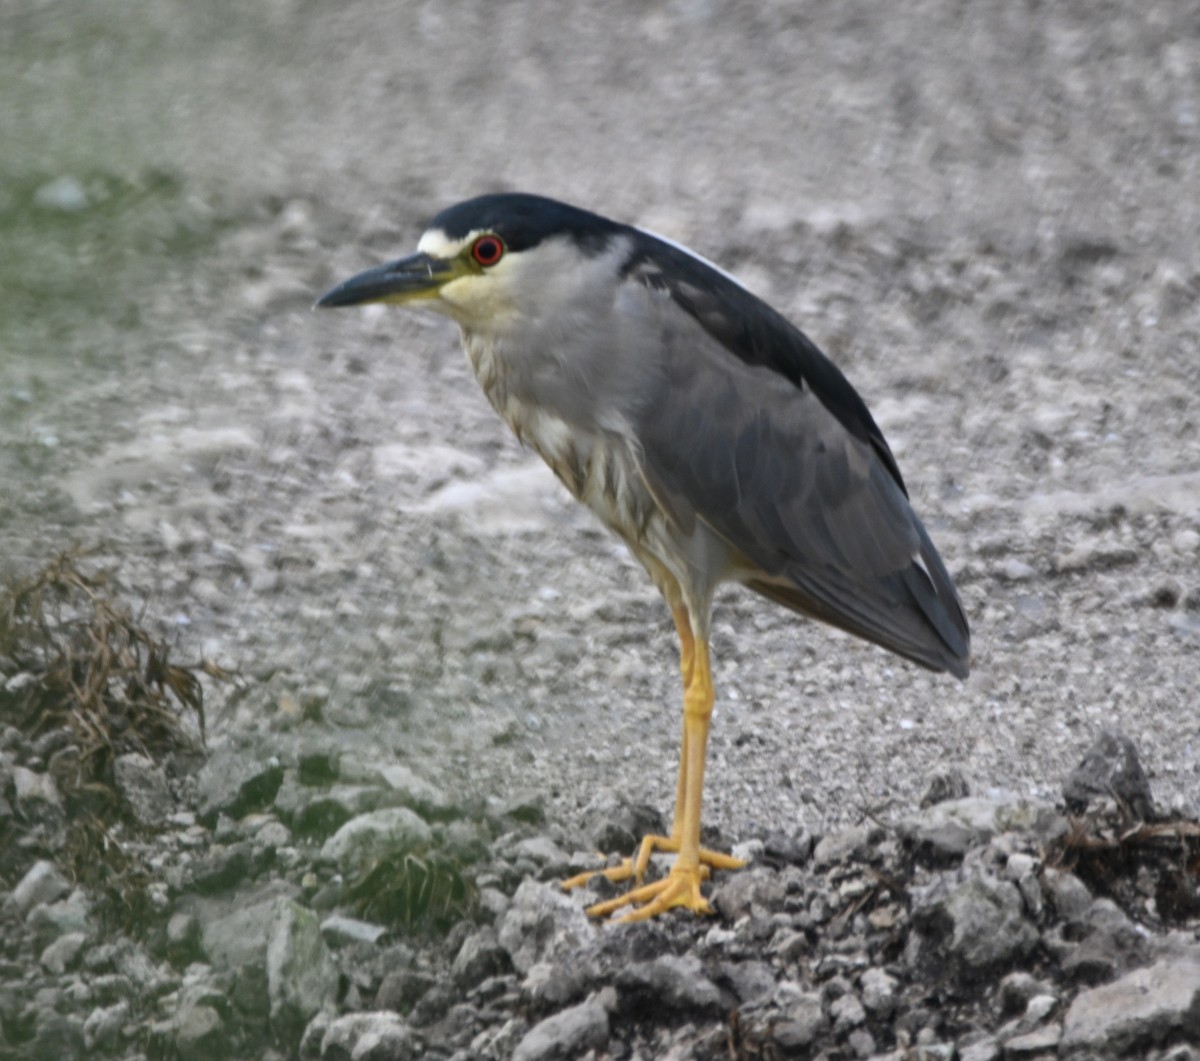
(681, 887)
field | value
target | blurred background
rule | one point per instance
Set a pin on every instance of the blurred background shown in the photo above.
(985, 212)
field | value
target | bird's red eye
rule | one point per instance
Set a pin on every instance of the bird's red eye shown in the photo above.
(487, 250)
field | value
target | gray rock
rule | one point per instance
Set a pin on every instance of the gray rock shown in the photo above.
(1136, 1012)
(985, 1049)
(843, 845)
(542, 924)
(310, 1042)
(861, 1043)
(669, 982)
(551, 986)
(143, 785)
(414, 791)
(63, 195)
(318, 765)
(947, 830)
(235, 931)
(301, 977)
(400, 989)
(61, 954)
(36, 794)
(371, 1036)
(1068, 893)
(750, 980)
(183, 937)
(480, 956)
(390, 831)
(803, 1019)
(494, 903)
(319, 814)
(740, 893)
(59, 1037)
(1113, 944)
(878, 992)
(235, 783)
(847, 1012)
(1039, 1042)
(221, 867)
(1017, 990)
(567, 1035)
(1110, 769)
(527, 807)
(200, 1034)
(102, 1027)
(339, 931)
(977, 923)
(949, 784)
(543, 852)
(49, 921)
(42, 883)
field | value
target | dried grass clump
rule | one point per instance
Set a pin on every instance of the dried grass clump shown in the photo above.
(1151, 869)
(72, 658)
(75, 662)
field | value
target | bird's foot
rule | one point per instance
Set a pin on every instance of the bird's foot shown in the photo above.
(680, 888)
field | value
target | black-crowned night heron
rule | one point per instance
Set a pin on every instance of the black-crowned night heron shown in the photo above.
(703, 428)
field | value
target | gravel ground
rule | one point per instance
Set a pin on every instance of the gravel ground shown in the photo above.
(985, 214)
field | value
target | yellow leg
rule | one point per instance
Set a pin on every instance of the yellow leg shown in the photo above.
(692, 863)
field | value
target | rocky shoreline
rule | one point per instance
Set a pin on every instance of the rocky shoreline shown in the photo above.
(976, 928)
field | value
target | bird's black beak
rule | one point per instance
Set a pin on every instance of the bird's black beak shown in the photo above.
(420, 276)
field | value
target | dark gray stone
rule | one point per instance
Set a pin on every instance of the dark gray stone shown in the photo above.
(480, 956)
(59, 1037)
(852, 843)
(102, 1027)
(749, 980)
(978, 923)
(301, 977)
(390, 831)
(143, 785)
(236, 783)
(371, 1036)
(946, 785)
(670, 982)
(412, 790)
(339, 931)
(741, 893)
(566, 1035)
(200, 1034)
(61, 954)
(621, 825)
(803, 1019)
(49, 921)
(1068, 893)
(1113, 944)
(878, 992)
(544, 853)
(1110, 769)
(319, 814)
(1136, 1012)
(541, 924)
(42, 883)
(526, 807)
(400, 989)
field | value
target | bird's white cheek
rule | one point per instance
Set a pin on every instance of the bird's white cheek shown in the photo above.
(474, 301)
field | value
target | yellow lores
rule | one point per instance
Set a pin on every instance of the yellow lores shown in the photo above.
(702, 428)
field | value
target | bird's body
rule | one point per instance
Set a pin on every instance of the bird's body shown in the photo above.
(700, 426)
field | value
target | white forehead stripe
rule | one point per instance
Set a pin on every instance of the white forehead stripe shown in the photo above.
(692, 254)
(438, 244)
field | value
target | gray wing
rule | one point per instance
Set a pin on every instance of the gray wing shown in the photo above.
(815, 513)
